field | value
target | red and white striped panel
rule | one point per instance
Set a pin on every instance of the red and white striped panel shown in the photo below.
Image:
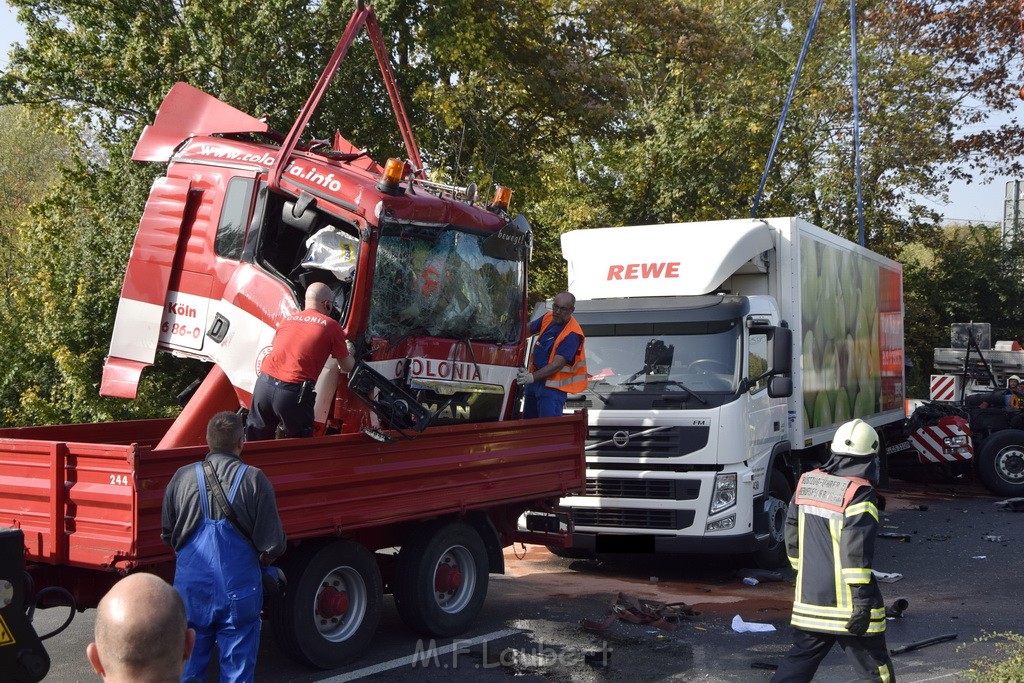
(930, 447)
(943, 388)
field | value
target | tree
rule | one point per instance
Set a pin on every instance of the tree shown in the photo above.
(967, 275)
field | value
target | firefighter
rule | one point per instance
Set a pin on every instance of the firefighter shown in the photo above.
(558, 366)
(830, 539)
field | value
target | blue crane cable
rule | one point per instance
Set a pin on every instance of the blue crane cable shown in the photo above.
(856, 122)
(785, 107)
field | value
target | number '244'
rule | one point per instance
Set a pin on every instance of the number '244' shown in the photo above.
(118, 479)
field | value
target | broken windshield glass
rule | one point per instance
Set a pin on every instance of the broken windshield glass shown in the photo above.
(445, 287)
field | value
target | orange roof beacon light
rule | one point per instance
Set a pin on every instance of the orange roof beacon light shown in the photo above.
(502, 197)
(391, 177)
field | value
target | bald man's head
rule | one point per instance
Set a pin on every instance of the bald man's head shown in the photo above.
(141, 633)
(319, 297)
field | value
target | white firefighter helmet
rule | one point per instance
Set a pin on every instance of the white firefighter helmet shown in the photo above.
(1012, 378)
(856, 438)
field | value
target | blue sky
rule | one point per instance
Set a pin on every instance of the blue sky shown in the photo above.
(976, 202)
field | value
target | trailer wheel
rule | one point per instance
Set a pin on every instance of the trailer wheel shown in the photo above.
(773, 556)
(441, 580)
(331, 607)
(1001, 463)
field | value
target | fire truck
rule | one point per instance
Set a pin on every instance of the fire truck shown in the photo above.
(974, 419)
(418, 471)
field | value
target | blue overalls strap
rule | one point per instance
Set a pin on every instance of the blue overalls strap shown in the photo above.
(201, 481)
(232, 492)
(236, 483)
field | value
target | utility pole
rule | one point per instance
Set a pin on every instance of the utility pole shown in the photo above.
(1012, 211)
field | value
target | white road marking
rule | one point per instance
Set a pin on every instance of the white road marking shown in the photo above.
(408, 661)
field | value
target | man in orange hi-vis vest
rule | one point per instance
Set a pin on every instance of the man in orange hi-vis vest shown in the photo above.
(558, 365)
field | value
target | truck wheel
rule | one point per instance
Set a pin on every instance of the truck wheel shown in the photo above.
(441, 580)
(331, 606)
(1001, 463)
(773, 556)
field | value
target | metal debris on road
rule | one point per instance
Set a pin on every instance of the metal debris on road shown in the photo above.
(923, 643)
(886, 577)
(663, 615)
(896, 608)
(995, 538)
(1010, 504)
(904, 538)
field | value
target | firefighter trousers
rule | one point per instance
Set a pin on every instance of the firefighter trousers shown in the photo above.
(868, 655)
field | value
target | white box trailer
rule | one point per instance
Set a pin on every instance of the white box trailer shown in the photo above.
(702, 411)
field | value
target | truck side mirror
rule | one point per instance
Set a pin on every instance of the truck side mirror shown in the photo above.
(782, 353)
(780, 386)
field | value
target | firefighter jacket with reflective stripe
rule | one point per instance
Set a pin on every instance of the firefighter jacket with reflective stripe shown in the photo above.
(830, 539)
(572, 379)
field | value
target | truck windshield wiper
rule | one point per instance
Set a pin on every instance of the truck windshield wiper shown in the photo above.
(604, 399)
(671, 382)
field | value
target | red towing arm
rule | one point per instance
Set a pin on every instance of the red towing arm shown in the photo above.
(363, 15)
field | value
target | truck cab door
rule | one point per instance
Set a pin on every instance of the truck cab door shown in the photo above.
(140, 310)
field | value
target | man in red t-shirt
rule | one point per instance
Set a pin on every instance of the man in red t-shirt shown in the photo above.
(301, 346)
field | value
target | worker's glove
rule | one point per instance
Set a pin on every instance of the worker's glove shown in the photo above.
(274, 581)
(351, 347)
(524, 377)
(859, 622)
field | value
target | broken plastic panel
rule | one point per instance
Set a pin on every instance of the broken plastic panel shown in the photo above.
(445, 287)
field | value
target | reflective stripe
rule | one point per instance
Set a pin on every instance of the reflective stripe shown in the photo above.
(577, 372)
(867, 507)
(843, 597)
(821, 512)
(857, 575)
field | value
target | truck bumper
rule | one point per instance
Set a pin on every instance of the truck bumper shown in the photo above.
(646, 543)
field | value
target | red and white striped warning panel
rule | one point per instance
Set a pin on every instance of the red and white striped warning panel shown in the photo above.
(943, 387)
(932, 446)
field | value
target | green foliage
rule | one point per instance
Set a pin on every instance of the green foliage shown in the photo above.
(1006, 667)
(968, 274)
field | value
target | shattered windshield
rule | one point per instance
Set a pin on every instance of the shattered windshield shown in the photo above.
(445, 287)
(672, 357)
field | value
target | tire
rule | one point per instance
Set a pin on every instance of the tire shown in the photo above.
(441, 579)
(331, 606)
(1001, 463)
(773, 556)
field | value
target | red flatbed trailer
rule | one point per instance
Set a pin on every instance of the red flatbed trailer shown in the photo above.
(87, 497)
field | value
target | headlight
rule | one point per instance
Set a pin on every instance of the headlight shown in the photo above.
(955, 441)
(722, 524)
(724, 494)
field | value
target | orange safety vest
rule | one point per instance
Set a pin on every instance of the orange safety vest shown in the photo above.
(572, 379)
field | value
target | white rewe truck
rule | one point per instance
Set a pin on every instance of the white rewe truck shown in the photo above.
(723, 356)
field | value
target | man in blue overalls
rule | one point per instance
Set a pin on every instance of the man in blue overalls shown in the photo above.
(217, 561)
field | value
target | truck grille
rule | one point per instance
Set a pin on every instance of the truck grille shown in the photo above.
(629, 441)
(657, 489)
(629, 518)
